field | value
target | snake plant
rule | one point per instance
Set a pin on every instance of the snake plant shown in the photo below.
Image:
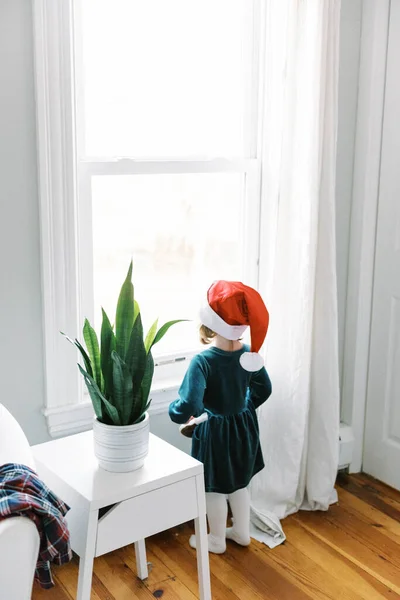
(118, 372)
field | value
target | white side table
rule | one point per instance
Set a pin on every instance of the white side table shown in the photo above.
(111, 510)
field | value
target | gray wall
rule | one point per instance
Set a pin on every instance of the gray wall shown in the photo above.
(21, 340)
(162, 426)
(348, 93)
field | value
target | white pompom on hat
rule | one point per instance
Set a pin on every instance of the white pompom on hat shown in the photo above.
(231, 307)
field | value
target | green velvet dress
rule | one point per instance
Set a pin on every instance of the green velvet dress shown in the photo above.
(228, 443)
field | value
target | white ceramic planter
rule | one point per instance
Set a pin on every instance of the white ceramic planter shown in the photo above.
(121, 449)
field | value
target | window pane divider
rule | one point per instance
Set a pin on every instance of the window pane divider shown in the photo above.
(129, 166)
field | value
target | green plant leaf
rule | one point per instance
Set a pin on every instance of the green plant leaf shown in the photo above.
(105, 411)
(124, 317)
(122, 383)
(150, 337)
(147, 378)
(136, 310)
(94, 396)
(108, 344)
(163, 330)
(136, 408)
(141, 407)
(141, 394)
(135, 344)
(146, 408)
(86, 359)
(142, 415)
(92, 344)
(136, 355)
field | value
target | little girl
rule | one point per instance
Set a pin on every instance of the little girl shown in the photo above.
(226, 382)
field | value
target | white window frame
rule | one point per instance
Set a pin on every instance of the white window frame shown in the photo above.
(65, 245)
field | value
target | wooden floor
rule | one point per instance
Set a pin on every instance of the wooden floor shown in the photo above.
(350, 553)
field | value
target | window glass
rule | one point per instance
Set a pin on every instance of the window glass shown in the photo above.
(182, 232)
(164, 78)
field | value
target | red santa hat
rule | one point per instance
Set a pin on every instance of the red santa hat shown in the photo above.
(230, 308)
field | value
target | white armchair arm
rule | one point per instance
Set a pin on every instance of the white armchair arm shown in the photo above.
(19, 548)
(19, 538)
(14, 446)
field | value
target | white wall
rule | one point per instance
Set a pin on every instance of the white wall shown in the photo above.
(21, 342)
(350, 23)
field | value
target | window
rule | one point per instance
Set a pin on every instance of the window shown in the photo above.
(165, 85)
(147, 121)
(165, 78)
(165, 223)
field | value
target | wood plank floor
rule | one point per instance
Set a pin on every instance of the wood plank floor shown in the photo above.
(351, 552)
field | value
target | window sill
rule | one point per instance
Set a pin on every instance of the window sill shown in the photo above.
(74, 418)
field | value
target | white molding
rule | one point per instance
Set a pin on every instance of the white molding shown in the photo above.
(67, 420)
(374, 38)
(55, 145)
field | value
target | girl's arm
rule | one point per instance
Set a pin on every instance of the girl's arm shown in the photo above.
(260, 387)
(191, 394)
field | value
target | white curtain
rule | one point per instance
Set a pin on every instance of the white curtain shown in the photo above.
(299, 425)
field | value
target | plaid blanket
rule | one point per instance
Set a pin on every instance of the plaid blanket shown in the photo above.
(22, 493)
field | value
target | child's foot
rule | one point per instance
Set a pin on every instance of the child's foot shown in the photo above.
(233, 535)
(214, 546)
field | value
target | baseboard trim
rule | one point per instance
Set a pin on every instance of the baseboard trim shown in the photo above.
(346, 446)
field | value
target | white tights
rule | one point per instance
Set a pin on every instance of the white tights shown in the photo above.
(217, 512)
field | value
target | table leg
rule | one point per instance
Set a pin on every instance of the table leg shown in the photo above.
(200, 523)
(86, 560)
(141, 560)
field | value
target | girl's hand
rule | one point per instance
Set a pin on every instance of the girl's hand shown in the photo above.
(186, 429)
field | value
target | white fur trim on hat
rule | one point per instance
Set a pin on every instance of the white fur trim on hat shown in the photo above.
(251, 361)
(213, 321)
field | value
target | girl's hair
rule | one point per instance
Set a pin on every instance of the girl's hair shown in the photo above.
(206, 334)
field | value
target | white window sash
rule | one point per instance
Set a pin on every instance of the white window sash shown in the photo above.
(170, 369)
(89, 168)
(66, 256)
